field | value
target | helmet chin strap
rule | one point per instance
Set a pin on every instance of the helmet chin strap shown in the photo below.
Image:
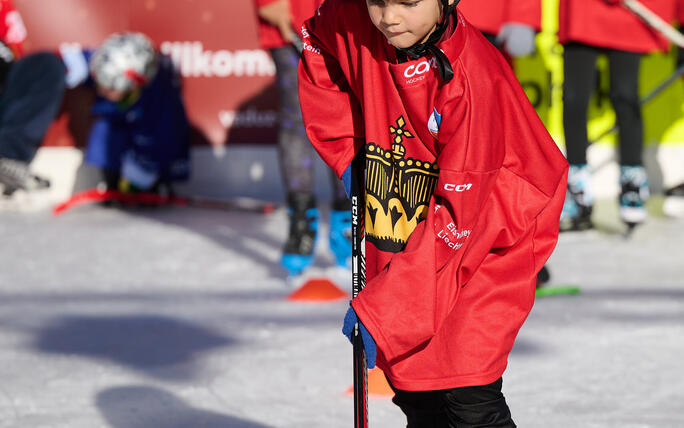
(421, 49)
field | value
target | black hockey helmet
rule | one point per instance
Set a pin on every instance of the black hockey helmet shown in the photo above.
(420, 49)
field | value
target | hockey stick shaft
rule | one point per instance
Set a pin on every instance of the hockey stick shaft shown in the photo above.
(679, 72)
(654, 21)
(358, 282)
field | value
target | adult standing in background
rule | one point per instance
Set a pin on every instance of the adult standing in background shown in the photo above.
(589, 28)
(278, 20)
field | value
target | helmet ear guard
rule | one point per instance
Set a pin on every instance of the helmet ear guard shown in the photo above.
(124, 62)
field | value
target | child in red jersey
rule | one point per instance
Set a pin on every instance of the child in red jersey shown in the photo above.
(464, 188)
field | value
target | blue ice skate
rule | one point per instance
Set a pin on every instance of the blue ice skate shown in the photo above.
(340, 236)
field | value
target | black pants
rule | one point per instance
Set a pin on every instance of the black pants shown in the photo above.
(295, 152)
(28, 104)
(469, 407)
(579, 83)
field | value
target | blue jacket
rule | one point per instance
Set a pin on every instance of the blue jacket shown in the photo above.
(153, 132)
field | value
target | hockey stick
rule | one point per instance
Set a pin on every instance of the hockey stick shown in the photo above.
(154, 199)
(679, 72)
(654, 21)
(358, 282)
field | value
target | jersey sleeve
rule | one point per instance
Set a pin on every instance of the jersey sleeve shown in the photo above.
(332, 113)
(487, 198)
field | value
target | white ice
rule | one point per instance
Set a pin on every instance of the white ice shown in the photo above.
(177, 318)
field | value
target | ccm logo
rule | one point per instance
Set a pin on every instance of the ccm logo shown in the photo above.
(457, 187)
(414, 70)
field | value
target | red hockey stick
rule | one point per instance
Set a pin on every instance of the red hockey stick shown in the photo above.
(154, 199)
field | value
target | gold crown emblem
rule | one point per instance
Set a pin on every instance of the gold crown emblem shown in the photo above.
(398, 191)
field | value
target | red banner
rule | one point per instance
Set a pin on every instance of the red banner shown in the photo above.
(228, 79)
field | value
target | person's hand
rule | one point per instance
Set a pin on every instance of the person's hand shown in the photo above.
(350, 320)
(278, 14)
(517, 39)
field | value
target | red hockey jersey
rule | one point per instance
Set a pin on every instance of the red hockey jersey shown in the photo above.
(597, 23)
(464, 188)
(489, 16)
(12, 29)
(269, 36)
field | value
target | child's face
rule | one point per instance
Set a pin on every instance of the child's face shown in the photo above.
(405, 22)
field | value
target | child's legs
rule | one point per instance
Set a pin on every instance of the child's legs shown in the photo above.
(295, 152)
(30, 101)
(579, 80)
(469, 407)
(624, 94)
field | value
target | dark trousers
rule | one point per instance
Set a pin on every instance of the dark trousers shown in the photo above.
(580, 82)
(295, 152)
(28, 104)
(469, 407)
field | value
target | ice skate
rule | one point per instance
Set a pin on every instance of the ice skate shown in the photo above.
(579, 200)
(299, 247)
(340, 232)
(673, 206)
(633, 195)
(15, 175)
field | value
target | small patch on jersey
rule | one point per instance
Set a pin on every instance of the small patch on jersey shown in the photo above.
(434, 123)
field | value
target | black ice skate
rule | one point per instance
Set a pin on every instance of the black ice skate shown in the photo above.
(299, 247)
(579, 200)
(673, 206)
(633, 195)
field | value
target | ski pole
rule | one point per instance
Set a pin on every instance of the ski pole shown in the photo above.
(358, 282)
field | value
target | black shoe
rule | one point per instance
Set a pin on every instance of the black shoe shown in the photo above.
(543, 276)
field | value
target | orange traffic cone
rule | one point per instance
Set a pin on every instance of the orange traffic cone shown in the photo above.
(377, 385)
(318, 290)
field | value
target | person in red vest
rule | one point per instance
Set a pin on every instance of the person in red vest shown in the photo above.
(463, 192)
(589, 28)
(511, 25)
(31, 89)
(278, 20)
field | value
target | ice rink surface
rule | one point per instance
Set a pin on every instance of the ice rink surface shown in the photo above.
(178, 318)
